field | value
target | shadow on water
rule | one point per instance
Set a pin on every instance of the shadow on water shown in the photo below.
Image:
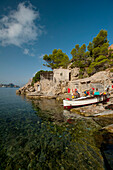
(37, 135)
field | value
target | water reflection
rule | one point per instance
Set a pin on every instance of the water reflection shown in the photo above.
(52, 110)
(49, 110)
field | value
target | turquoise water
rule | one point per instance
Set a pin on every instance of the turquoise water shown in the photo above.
(36, 135)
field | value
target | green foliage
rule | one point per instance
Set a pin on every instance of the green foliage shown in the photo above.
(56, 60)
(80, 56)
(96, 58)
(111, 70)
(100, 39)
(98, 50)
(81, 73)
(91, 59)
(37, 76)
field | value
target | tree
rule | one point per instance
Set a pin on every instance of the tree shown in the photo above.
(98, 51)
(37, 77)
(56, 60)
(79, 56)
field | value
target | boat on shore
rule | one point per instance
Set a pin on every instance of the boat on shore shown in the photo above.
(83, 101)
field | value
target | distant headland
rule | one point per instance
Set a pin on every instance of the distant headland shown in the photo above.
(9, 85)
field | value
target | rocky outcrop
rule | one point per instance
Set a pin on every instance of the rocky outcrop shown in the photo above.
(108, 128)
(57, 86)
(90, 110)
(100, 80)
(74, 74)
(106, 113)
(25, 89)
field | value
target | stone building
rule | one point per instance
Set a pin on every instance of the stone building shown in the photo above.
(60, 75)
(60, 80)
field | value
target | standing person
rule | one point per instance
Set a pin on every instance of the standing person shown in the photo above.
(108, 91)
(97, 92)
(92, 91)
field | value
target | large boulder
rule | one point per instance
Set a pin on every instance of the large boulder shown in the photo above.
(75, 73)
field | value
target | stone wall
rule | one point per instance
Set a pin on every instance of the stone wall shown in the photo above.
(46, 75)
(74, 74)
(61, 75)
(45, 85)
(100, 80)
(62, 81)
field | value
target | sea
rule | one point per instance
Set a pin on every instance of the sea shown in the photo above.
(40, 134)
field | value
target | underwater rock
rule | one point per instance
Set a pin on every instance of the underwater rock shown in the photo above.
(109, 128)
(106, 113)
(88, 110)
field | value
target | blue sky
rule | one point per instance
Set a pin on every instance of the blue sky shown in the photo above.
(31, 29)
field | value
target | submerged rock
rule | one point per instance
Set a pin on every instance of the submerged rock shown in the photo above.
(88, 110)
(109, 128)
(106, 113)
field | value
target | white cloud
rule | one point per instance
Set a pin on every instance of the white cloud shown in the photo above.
(19, 26)
(27, 52)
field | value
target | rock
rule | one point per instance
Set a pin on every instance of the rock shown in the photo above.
(50, 87)
(23, 92)
(31, 89)
(110, 106)
(106, 113)
(75, 110)
(18, 91)
(88, 110)
(109, 128)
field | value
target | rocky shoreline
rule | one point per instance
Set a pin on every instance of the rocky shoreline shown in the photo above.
(48, 89)
(98, 117)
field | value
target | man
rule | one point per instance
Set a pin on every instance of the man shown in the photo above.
(97, 92)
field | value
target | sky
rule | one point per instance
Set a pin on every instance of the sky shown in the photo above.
(31, 29)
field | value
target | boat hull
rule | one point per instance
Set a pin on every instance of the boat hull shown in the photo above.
(83, 101)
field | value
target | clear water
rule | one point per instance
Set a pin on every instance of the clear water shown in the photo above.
(36, 135)
(18, 125)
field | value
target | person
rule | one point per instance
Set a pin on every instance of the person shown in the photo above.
(92, 91)
(108, 91)
(86, 92)
(75, 93)
(97, 92)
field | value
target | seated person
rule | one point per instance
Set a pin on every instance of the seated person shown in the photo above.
(76, 93)
(97, 92)
(92, 91)
(86, 92)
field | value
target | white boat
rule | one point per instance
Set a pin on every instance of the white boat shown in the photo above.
(83, 101)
